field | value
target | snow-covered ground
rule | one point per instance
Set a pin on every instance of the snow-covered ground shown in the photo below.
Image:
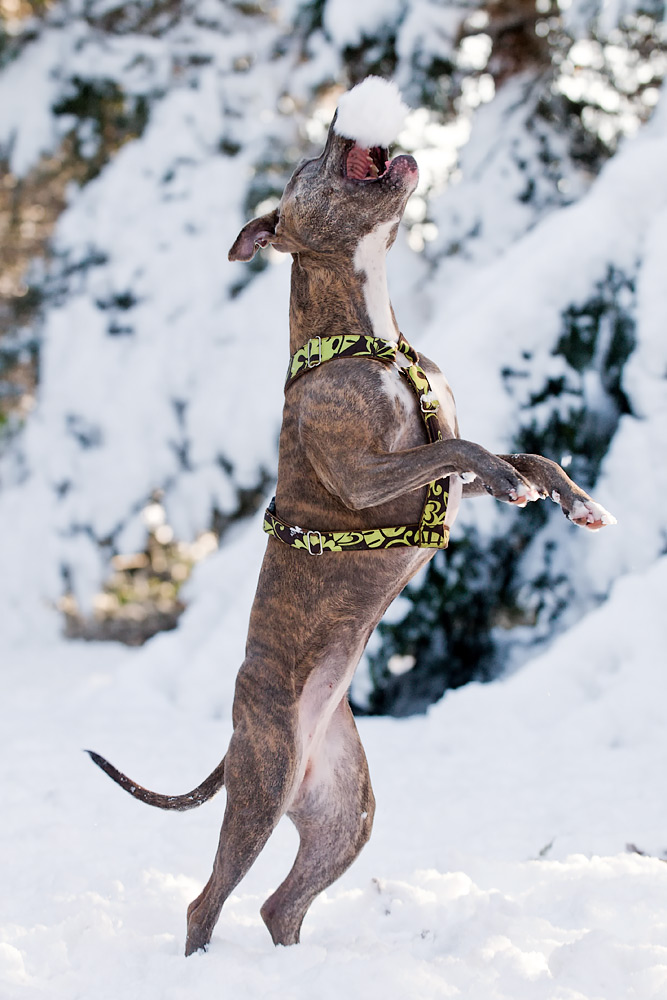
(497, 868)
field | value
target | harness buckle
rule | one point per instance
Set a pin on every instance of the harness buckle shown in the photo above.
(313, 363)
(428, 405)
(318, 541)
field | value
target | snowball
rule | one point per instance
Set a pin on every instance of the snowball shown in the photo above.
(372, 113)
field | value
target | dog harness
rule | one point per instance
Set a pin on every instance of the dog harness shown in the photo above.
(430, 532)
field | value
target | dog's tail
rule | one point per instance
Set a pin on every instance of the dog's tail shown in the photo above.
(190, 800)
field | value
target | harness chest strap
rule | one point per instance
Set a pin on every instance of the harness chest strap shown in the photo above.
(430, 532)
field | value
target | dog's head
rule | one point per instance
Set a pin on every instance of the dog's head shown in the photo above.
(333, 201)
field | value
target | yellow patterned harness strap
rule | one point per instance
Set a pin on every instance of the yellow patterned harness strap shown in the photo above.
(430, 532)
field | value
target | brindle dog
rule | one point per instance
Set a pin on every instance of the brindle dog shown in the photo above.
(353, 455)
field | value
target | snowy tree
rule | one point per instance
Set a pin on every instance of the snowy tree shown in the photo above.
(519, 846)
(533, 149)
(146, 133)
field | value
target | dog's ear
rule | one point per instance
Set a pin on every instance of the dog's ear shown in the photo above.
(255, 234)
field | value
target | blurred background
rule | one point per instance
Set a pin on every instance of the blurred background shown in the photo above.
(141, 373)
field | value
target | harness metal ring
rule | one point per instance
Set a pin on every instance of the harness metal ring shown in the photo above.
(318, 541)
(318, 361)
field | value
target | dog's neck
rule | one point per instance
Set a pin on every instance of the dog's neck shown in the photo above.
(343, 296)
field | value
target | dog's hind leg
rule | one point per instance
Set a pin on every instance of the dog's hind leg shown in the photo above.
(260, 776)
(333, 813)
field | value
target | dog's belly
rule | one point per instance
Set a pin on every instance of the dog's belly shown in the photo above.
(320, 699)
(454, 501)
(320, 735)
(310, 622)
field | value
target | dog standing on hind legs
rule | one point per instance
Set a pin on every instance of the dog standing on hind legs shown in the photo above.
(371, 474)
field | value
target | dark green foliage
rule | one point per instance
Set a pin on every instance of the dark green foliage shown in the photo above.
(121, 18)
(433, 83)
(24, 306)
(373, 56)
(5, 40)
(448, 628)
(112, 116)
(458, 627)
(121, 300)
(586, 148)
(310, 17)
(593, 130)
(65, 270)
(19, 355)
(583, 325)
(229, 148)
(598, 337)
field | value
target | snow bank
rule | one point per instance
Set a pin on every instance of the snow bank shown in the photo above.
(497, 869)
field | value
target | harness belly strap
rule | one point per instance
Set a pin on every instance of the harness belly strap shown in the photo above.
(430, 532)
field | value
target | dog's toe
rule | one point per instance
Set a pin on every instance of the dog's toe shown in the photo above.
(524, 494)
(589, 514)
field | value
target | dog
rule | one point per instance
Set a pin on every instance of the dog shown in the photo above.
(371, 473)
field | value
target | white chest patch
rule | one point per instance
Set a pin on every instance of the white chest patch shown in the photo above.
(397, 388)
(443, 393)
(370, 260)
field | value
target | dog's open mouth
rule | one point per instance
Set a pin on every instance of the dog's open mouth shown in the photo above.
(366, 164)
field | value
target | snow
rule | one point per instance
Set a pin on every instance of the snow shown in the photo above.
(372, 113)
(348, 22)
(27, 126)
(497, 868)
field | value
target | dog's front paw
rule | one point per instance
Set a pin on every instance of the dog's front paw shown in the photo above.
(525, 493)
(584, 511)
(505, 483)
